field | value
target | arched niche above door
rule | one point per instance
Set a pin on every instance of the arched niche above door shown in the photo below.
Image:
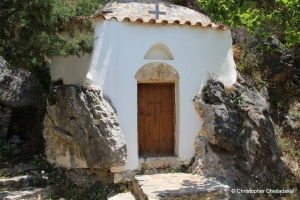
(159, 51)
(157, 71)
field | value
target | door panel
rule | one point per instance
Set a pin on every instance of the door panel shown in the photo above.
(156, 119)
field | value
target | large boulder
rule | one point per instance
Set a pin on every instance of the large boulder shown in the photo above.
(81, 129)
(236, 143)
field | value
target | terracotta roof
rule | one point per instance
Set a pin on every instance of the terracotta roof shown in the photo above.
(138, 11)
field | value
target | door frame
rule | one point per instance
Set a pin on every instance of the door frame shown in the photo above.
(175, 115)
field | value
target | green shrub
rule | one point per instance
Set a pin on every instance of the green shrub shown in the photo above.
(42, 163)
(6, 151)
(4, 174)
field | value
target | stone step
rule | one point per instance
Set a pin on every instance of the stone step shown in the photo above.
(29, 193)
(122, 196)
(19, 169)
(17, 182)
(178, 186)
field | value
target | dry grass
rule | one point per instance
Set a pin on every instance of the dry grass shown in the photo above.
(295, 113)
(289, 145)
(236, 52)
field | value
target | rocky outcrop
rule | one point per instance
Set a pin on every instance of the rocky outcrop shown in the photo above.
(19, 88)
(289, 124)
(81, 129)
(22, 107)
(236, 143)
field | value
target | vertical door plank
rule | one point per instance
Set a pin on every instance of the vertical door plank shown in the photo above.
(156, 108)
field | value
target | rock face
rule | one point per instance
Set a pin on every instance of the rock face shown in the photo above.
(81, 129)
(19, 88)
(289, 124)
(237, 141)
(21, 105)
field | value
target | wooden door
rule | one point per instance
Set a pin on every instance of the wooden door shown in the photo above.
(156, 111)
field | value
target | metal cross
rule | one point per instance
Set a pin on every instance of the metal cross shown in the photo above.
(157, 12)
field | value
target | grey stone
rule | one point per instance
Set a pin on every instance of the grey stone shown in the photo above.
(22, 105)
(161, 163)
(89, 177)
(121, 196)
(20, 168)
(214, 94)
(264, 93)
(30, 193)
(289, 124)
(81, 129)
(17, 182)
(179, 186)
(124, 176)
(236, 143)
(19, 87)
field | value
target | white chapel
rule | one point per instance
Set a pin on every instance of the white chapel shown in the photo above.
(151, 58)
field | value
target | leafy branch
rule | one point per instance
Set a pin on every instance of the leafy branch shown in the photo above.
(269, 19)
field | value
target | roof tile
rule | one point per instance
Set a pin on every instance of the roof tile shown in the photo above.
(138, 11)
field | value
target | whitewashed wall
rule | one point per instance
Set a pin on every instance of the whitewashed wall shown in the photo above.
(118, 54)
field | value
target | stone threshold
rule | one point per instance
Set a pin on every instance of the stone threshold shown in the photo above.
(161, 163)
(122, 196)
(150, 165)
(179, 186)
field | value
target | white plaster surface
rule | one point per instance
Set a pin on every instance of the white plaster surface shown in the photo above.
(159, 51)
(119, 53)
